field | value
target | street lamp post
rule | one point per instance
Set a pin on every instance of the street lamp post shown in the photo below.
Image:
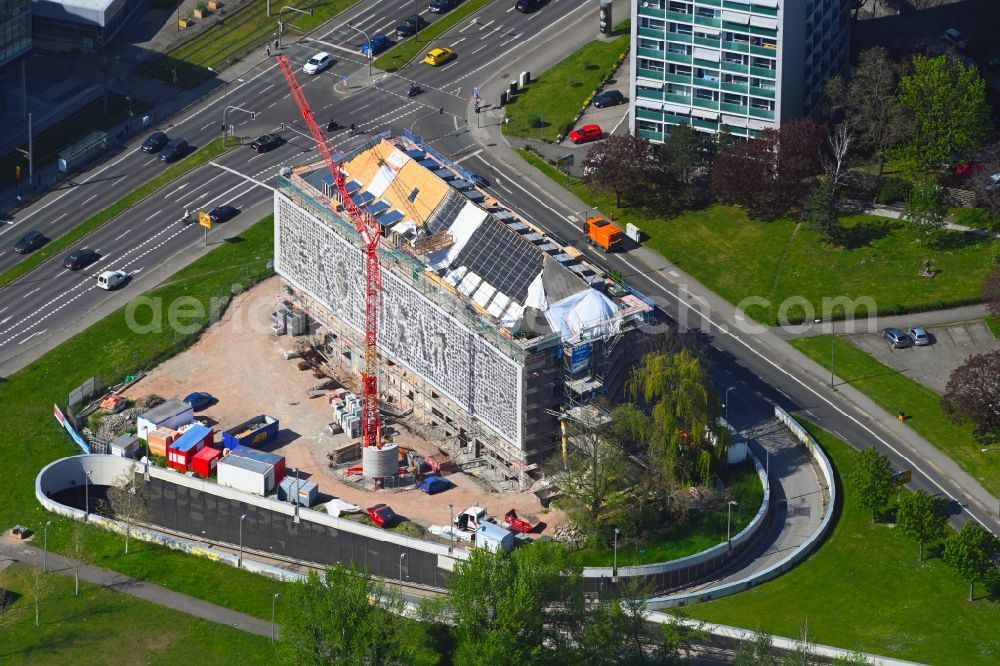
(86, 495)
(273, 599)
(45, 552)
(280, 24)
(451, 527)
(240, 561)
(414, 123)
(729, 520)
(368, 42)
(614, 567)
(726, 400)
(401, 556)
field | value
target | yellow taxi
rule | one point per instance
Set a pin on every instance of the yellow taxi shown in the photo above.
(437, 57)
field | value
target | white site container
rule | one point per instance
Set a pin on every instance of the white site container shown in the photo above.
(246, 474)
(170, 414)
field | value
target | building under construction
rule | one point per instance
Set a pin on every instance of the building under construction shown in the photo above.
(486, 327)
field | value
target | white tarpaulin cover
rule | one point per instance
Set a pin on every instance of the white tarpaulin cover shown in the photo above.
(380, 183)
(461, 231)
(581, 313)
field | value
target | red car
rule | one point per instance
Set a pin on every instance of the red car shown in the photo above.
(586, 133)
(381, 515)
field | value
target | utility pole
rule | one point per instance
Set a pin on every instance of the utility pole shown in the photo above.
(31, 155)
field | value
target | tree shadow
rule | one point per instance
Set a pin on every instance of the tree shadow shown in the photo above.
(864, 233)
(956, 240)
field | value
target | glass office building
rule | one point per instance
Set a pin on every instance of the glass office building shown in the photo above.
(722, 65)
(15, 29)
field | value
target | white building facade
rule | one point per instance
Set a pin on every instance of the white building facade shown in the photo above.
(741, 67)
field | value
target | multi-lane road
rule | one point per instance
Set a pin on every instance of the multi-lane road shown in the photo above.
(49, 303)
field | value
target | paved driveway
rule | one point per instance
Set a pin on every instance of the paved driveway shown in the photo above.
(932, 365)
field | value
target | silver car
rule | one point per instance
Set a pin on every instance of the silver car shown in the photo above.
(919, 336)
(896, 337)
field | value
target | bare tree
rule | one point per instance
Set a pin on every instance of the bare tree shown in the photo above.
(128, 500)
(838, 141)
(78, 556)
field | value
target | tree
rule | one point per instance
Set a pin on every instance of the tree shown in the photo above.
(757, 651)
(128, 500)
(517, 608)
(685, 437)
(921, 517)
(869, 103)
(823, 210)
(991, 290)
(78, 555)
(620, 164)
(949, 115)
(771, 173)
(681, 159)
(973, 392)
(925, 207)
(972, 553)
(345, 618)
(871, 479)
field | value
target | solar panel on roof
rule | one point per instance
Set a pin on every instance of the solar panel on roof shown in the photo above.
(446, 212)
(503, 259)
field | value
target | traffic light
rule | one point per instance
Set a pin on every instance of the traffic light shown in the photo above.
(17, 171)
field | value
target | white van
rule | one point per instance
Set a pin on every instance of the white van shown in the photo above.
(111, 279)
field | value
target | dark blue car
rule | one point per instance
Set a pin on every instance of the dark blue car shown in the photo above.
(199, 400)
(378, 44)
(434, 484)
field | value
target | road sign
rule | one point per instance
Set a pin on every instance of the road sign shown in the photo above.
(902, 478)
(204, 219)
(565, 160)
(475, 91)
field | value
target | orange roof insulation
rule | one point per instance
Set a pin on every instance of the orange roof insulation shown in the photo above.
(416, 191)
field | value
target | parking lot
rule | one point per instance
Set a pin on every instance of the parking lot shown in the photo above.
(933, 364)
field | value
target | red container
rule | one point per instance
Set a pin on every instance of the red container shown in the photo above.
(182, 450)
(204, 461)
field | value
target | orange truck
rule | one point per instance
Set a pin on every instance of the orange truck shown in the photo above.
(603, 234)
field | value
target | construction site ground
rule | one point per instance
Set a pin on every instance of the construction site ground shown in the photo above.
(239, 362)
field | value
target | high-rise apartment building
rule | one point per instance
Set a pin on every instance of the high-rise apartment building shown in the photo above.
(723, 65)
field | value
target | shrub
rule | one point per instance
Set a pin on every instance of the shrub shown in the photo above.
(978, 218)
(893, 190)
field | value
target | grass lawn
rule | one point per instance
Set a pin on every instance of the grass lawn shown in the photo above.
(701, 533)
(865, 590)
(105, 627)
(407, 48)
(64, 242)
(994, 324)
(547, 106)
(737, 257)
(30, 437)
(895, 392)
(230, 40)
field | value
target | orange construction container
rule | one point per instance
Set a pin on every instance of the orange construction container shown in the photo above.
(603, 234)
(160, 439)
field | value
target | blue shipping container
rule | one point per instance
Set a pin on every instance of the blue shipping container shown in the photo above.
(257, 430)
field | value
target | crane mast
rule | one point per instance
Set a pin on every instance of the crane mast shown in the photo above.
(368, 228)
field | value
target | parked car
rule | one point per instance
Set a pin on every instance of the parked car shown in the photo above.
(441, 6)
(609, 98)
(174, 150)
(896, 337)
(528, 6)
(434, 484)
(111, 280)
(154, 142)
(80, 259)
(411, 25)
(317, 63)
(437, 57)
(223, 213)
(266, 142)
(586, 133)
(31, 241)
(377, 44)
(382, 515)
(919, 335)
(199, 400)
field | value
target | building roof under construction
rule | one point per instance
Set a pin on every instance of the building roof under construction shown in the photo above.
(502, 266)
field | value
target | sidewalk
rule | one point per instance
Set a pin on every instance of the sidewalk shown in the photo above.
(19, 551)
(768, 346)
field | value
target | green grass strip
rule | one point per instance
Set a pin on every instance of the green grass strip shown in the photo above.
(864, 590)
(404, 51)
(548, 106)
(994, 324)
(110, 350)
(201, 156)
(895, 392)
(237, 35)
(104, 626)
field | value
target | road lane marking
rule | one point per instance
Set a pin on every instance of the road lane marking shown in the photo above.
(32, 291)
(471, 24)
(153, 215)
(59, 218)
(462, 159)
(87, 201)
(175, 191)
(31, 336)
(202, 129)
(479, 49)
(264, 90)
(486, 25)
(123, 234)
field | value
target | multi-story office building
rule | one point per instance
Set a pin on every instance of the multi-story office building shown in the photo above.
(723, 65)
(15, 41)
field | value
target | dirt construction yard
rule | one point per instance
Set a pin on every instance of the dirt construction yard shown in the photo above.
(239, 362)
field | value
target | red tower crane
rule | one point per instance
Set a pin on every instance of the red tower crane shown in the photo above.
(368, 228)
